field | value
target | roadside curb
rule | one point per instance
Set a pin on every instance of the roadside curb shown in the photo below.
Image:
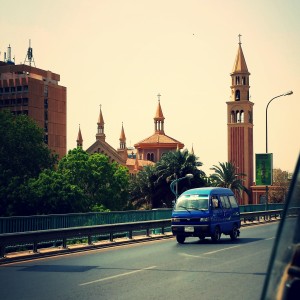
(51, 252)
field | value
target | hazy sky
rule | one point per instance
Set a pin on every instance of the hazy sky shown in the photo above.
(122, 53)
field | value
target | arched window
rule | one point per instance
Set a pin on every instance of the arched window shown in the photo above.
(237, 95)
(232, 117)
(152, 157)
(148, 156)
(242, 116)
(237, 116)
(237, 80)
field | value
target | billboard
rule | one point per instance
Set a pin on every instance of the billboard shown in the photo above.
(264, 167)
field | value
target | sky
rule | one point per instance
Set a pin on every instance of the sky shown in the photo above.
(121, 54)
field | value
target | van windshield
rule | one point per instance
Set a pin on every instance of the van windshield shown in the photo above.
(192, 202)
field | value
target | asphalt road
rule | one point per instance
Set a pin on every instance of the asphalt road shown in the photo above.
(153, 270)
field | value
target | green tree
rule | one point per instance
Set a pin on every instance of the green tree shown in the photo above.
(142, 188)
(225, 175)
(103, 183)
(23, 155)
(281, 182)
(153, 183)
(52, 193)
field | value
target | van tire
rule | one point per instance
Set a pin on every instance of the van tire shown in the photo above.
(234, 233)
(216, 235)
(202, 237)
(180, 239)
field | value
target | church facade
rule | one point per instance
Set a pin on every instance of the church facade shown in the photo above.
(145, 152)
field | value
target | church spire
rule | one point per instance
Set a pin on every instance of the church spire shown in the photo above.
(79, 138)
(159, 118)
(240, 77)
(122, 138)
(100, 130)
(240, 65)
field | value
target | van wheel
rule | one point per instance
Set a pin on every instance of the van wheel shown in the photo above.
(180, 239)
(216, 235)
(234, 233)
(202, 237)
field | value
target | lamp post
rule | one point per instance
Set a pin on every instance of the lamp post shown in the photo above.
(285, 94)
(175, 183)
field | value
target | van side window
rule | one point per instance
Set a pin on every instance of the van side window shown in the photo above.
(233, 202)
(225, 202)
(215, 202)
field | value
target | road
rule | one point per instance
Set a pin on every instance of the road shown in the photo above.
(153, 270)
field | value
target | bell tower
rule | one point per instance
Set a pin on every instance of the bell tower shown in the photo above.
(240, 122)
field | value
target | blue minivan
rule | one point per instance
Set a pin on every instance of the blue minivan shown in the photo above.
(206, 212)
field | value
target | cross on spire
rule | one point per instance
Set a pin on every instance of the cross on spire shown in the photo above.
(158, 96)
(240, 39)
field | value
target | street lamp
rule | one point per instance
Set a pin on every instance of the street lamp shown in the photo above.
(285, 94)
(175, 183)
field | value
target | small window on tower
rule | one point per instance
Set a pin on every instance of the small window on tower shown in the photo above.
(237, 95)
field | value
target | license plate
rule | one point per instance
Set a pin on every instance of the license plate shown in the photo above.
(189, 229)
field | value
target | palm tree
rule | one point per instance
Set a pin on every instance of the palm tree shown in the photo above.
(226, 176)
(177, 164)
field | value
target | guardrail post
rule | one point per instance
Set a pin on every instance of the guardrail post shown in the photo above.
(111, 237)
(163, 230)
(2, 251)
(64, 243)
(148, 232)
(90, 240)
(35, 247)
(130, 234)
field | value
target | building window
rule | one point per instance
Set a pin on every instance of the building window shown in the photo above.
(232, 117)
(237, 95)
(19, 88)
(150, 156)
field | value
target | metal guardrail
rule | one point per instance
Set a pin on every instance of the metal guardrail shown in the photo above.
(47, 222)
(36, 238)
(256, 215)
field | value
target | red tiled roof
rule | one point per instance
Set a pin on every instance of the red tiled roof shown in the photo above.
(157, 138)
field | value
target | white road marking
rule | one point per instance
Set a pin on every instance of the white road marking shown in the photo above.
(212, 252)
(219, 250)
(116, 276)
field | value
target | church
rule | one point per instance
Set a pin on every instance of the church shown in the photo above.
(146, 152)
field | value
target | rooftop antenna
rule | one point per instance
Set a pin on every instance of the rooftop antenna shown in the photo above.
(29, 56)
(7, 58)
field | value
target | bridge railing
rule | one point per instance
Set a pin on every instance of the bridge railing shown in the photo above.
(36, 238)
(46, 222)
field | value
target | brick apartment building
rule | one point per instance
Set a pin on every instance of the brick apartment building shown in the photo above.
(35, 92)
